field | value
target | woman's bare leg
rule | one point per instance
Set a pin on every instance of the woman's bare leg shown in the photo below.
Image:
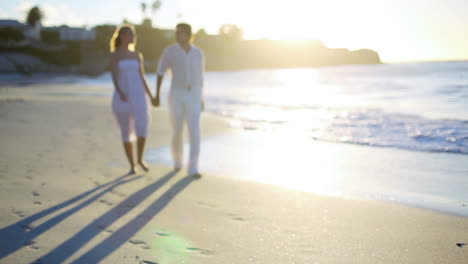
(128, 147)
(140, 149)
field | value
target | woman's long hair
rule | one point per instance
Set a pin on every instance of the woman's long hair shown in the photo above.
(115, 41)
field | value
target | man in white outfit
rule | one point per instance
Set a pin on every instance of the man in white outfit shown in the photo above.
(186, 63)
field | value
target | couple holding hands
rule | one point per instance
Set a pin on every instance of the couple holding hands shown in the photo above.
(132, 96)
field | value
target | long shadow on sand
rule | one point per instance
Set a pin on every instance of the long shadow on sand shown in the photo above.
(121, 236)
(21, 233)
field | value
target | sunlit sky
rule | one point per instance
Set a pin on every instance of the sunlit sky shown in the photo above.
(400, 30)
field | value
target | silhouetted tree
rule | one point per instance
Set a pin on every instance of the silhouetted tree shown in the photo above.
(143, 9)
(201, 33)
(9, 34)
(147, 23)
(155, 7)
(103, 36)
(231, 32)
(50, 36)
(150, 42)
(34, 16)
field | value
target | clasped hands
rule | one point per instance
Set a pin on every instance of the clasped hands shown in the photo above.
(155, 102)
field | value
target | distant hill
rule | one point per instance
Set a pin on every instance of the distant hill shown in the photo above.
(222, 52)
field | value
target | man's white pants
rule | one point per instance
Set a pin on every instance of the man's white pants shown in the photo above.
(185, 106)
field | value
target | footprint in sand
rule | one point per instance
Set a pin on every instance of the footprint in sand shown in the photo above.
(106, 202)
(205, 252)
(236, 217)
(37, 202)
(137, 242)
(162, 233)
(213, 206)
(34, 247)
(35, 194)
(26, 228)
(104, 228)
(147, 262)
(29, 243)
(143, 244)
(19, 213)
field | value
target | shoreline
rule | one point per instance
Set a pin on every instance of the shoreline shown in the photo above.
(342, 177)
(83, 75)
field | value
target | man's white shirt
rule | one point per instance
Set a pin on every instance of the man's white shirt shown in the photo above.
(187, 67)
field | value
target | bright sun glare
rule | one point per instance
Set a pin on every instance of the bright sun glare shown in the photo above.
(333, 20)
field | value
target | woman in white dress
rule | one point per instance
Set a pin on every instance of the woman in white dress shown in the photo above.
(132, 96)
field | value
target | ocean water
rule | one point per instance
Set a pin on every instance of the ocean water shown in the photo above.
(421, 106)
(393, 132)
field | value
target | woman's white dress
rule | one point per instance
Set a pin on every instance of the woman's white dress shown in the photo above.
(134, 115)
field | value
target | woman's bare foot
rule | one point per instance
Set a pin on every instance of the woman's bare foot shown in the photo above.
(144, 165)
(132, 171)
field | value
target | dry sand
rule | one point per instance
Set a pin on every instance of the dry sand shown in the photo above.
(65, 199)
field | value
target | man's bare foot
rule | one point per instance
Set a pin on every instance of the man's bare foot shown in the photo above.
(144, 166)
(196, 175)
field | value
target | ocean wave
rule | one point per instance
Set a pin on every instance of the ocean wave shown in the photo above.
(370, 127)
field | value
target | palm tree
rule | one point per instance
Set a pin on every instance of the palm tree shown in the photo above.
(35, 15)
(143, 8)
(156, 6)
(33, 18)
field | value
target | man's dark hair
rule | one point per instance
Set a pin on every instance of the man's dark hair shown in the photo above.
(185, 28)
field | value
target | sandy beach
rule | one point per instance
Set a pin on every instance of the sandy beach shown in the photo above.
(65, 198)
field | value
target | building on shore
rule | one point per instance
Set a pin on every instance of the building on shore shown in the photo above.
(29, 32)
(74, 33)
(66, 33)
